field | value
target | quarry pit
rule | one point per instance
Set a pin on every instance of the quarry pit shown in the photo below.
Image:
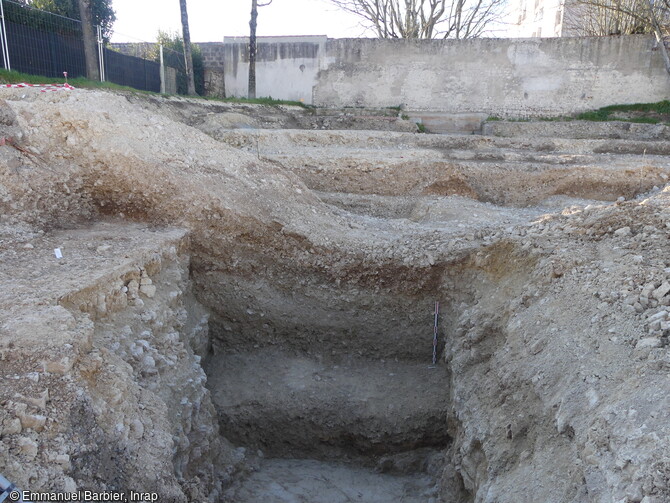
(244, 312)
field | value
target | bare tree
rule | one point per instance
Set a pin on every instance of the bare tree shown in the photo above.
(656, 12)
(188, 57)
(607, 17)
(90, 47)
(620, 17)
(253, 23)
(426, 18)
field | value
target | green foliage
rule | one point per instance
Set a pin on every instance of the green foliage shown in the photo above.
(420, 127)
(661, 107)
(173, 55)
(24, 14)
(13, 77)
(103, 14)
(605, 113)
(644, 113)
(646, 120)
(262, 101)
(594, 115)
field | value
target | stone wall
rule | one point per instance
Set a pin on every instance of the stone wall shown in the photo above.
(506, 77)
(212, 59)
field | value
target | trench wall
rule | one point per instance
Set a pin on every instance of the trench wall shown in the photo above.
(506, 77)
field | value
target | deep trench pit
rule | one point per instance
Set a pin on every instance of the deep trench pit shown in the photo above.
(329, 386)
(330, 423)
(350, 408)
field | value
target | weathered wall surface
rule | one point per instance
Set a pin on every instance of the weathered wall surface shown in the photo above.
(286, 67)
(507, 77)
(512, 76)
(212, 58)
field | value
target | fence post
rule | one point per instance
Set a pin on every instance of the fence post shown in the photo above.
(101, 53)
(3, 41)
(162, 70)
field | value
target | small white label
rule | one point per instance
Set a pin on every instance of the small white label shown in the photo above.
(58, 253)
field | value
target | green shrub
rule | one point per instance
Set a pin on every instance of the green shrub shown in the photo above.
(173, 55)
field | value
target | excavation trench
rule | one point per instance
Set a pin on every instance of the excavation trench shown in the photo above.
(346, 405)
(333, 410)
(299, 269)
(321, 354)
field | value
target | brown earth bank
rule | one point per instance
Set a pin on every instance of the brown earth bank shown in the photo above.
(247, 315)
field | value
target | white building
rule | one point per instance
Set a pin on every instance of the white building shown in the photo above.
(537, 18)
(573, 18)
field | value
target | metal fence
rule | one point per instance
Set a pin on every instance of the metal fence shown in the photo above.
(131, 71)
(41, 43)
(172, 60)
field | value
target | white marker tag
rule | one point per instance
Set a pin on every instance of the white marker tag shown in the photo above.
(58, 253)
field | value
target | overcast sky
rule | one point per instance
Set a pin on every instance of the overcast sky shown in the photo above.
(211, 20)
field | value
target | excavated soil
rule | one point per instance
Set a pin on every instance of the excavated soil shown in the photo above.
(247, 314)
(285, 481)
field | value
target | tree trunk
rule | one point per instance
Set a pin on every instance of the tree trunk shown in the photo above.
(90, 49)
(188, 58)
(252, 49)
(659, 36)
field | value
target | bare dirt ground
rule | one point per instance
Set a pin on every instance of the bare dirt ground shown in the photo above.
(310, 481)
(367, 406)
(229, 291)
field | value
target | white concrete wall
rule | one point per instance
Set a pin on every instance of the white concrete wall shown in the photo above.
(286, 67)
(506, 77)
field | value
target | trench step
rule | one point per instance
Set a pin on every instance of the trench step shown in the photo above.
(87, 278)
(300, 142)
(292, 480)
(292, 406)
(615, 130)
(450, 123)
